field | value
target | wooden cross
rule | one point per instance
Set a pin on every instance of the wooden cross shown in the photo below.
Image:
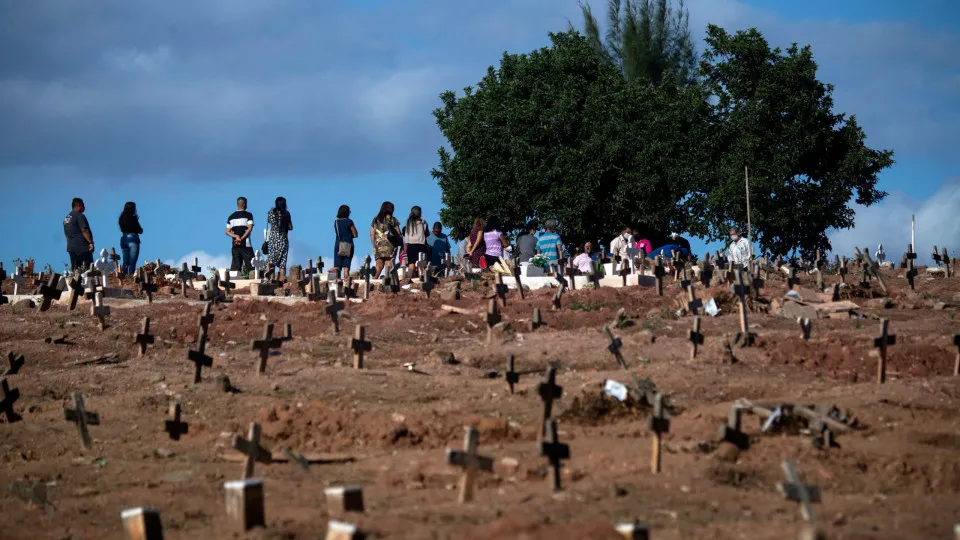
(367, 274)
(493, 318)
(956, 343)
(226, 283)
(319, 264)
(874, 270)
(500, 289)
(16, 362)
(946, 261)
(427, 280)
(252, 449)
(147, 287)
(100, 311)
(744, 337)
(553, 450)
(468, 460)
(910, 255)
(115, 257)
(731, 432)
(792, 279)
(684, 278)
(264, 345)
(3, 273)
(50, 292)
(864, 276)
(185, 275)
(511, 374)
(81, 418)
(10, 396)
(694, 304)
(795, 490)
(200, 358)
(205, 319)
(516, 277)
(196, 269)
(310, 270)
(696, 337)
(624, 272)
(706, 271)
(557, 296)
(360, 345)
(614, 347)
(333, 308)
(911, 273)
(841, 267)
(658, 423)
(820, 285)
(144, 338)
(548, 390)
(882, 342)
(158, 269)
(537, 321)
(659, 272)
(805, 326)
(175, 428)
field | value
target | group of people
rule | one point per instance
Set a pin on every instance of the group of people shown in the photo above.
(484, 247)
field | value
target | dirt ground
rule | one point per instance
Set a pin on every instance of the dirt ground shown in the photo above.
(386, 428)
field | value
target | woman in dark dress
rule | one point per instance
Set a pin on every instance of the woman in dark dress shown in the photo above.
(475, 246)
(343, 247)
(130, 230)
(277, 242)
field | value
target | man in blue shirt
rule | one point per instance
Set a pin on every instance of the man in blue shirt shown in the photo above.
(439, 245)
(549, 244)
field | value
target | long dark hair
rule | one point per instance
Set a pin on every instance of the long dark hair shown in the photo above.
(343, 212)
(413, 220)
(386, 209)
(281, 213)
(493, 224)
(129, 210)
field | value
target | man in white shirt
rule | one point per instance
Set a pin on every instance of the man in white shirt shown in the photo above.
(739, 251)
(619, 245)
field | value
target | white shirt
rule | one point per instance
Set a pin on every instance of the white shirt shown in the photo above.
(583, 263)
(619, 245)
(739, 252)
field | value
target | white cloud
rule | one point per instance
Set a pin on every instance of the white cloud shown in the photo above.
(889, 223)
(205, 259)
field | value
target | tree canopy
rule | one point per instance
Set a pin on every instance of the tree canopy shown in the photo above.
(562, 133)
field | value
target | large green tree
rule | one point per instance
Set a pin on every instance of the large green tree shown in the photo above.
(806, 162)
(559, 133)
(647, 40)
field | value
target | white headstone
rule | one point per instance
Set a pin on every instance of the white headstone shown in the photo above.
(105, 266)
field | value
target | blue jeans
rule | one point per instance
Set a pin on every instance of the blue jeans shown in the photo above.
(130, 246)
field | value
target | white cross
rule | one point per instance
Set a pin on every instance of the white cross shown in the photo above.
(105, 266)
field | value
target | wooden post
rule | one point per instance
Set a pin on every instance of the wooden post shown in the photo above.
(882, 342)
(142, 524)
(245, 504)
(359, 344)
(659, 424)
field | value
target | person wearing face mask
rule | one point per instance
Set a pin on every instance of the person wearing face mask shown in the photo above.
(739, 251)
(619, 245)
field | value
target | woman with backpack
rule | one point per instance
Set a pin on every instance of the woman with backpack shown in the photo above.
(385, 237)
(415, 232)
(278, 218)
(346, 232)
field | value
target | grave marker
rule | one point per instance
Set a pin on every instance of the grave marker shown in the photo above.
(196, 268)
(731, 431)
(251, 448)
(344, 499)
(614, 347)
(659, 273)
(142, 524)
(146, 286)
(104, 266)
(706, 271)
(143, 338)
(264, 345)
(360, 345)
(15, 361)
(17, 280)
(470, 461)
(367, 274)
(548, 390)
(805, 326)
(658, 423)
(536, 322)
(10, 396)
(633, 531)
(555, 452)
(882, 342)
(792, 279)
(427, 283)
(227, 284)
(874, 270)
(338, 530)
(516, 277)
(205, 319)
(81, 418)
(244, 500)
(100, 311)
(841, 268)
(695, 336)
(513, 377)
(795, 490)
(624, 272)
(333, 308)
(50, 291)
(200, 358)
(947, 263)
(175, 428)
(500, 290)
(684, 278)
(956, 343)
(557, 297)
(694, 305)
(744, 337)
(493, 318)
(911, 274)
(3, 273)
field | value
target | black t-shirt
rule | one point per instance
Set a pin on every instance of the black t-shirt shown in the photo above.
(238, 223)
(73, 225)
(130, 224)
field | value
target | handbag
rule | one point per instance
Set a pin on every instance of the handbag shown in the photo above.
(264, 249)
(393, 236)
(344, 249)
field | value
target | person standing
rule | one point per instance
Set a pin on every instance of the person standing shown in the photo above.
(584, 262)
(346, 232)
(494, 241)
(239, 227)
(619, 245)
(527, 244)
(385, 236)
(549, 245)
(130, 231)
(739, 249)
(79, 238)
(475, 247)
(278, 243)
(439, 246)
(415, 231)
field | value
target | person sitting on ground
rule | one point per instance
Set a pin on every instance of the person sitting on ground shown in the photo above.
(527, 243)
(584, 261)
(739, 251)
(550, 245)
(494, 240)
(619, 245)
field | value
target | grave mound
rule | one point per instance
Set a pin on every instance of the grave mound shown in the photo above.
(594, 408)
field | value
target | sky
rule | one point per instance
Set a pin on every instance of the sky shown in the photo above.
(184, 106)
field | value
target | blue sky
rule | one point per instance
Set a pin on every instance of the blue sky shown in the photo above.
(184, 106)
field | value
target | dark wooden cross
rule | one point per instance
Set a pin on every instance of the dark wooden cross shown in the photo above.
(706, 271)
(595, 275)
(874, 269)
(946, 261)
(795, 490)
(557, 296)
(146, 286)
(115, 258)
(659, 272)
(367, 274)
(841, 265)
(864, 276)
(226, 283)
(196, 269)
(500, 289)
(820, 285)
(694, 304)
(805, 326)
(555, 452)
(50, 291)
(511, 373)
(143, 338)
(470, 461)
(658, 423)
(319, 264)
(333, 309)
(81, 418)
(200, 358)
(684, 278)
(614, 347)
(3, 273)
(744, 337)
(537, 321)
(158, 270)
(910, 255)
(310, 270)
(548, 390)
(315, 294)
(911, 273)
(185, 275)
(624, 272)
(427, 283)
(360, 345)
(10, 396)
(792, 279)
(731, 432)
(211, 293)
(205, 319)
(882, 342)
(493, 318)
(175, 428)
(16, 362)
(100, 311)
(956, 343)
(264, 345)
(394, 280)
(252, 449)
(696, 337)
